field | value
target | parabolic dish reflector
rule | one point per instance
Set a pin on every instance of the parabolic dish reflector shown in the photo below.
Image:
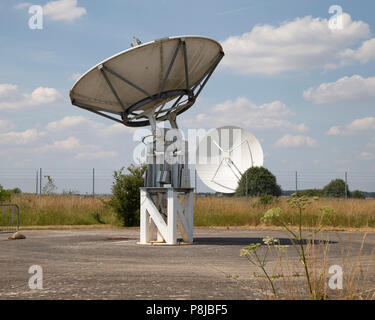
(224, 155)
(161, 77)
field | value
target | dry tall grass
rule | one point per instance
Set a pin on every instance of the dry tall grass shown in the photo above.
(63, 210)
(208, 211)
(215, 211)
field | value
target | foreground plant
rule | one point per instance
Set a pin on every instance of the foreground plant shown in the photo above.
(274, 216)
(250, 252)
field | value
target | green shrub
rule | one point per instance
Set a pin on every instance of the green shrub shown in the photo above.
(260, 181)
(265, 200)
(311, 193)
(126, 197)
(5, 195)
(336, 188)
(356, 194)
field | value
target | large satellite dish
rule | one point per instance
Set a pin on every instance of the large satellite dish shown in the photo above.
(161, 78)
(224, 154)
(144, 85)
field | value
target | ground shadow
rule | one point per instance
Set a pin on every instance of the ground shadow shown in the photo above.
(244, 241)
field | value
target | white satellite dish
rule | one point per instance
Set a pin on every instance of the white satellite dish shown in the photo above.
(159, 78)
(224, 154)
(143, 85)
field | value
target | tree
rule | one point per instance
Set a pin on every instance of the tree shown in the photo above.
(260, 181)
(126, 199)
(336, 188)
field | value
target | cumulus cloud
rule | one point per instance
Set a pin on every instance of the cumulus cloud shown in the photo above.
(63, 10)
(295, 141)
(68, 144)
(344, 89)
(363, 54)
(245, 113)
(301, 44)
(20, 138)
(7, 89)
(81, 121)
(11, 99)
(356, 126)
(71, 121)
(115, 129)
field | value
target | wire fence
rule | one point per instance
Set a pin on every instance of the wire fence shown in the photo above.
(97, 181)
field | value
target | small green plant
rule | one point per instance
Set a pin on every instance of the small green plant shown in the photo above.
(49, 187)
(96, 216)
(251, 253)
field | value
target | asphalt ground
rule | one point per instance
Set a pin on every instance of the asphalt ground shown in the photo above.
(109, 264)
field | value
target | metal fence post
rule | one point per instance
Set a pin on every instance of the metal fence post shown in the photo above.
(36, 183)
(40, 181)
(346, 185)
(93, 182)
(195, 181)
(247, 192)
(296, 184)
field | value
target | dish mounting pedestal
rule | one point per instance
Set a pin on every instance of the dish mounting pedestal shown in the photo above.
(164, 225)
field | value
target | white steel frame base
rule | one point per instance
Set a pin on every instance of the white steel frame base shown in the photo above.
(179, 216)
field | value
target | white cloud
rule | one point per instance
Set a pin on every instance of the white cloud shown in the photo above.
(115, 129)
(245, 113)
(6, 89)
(81, 121)
(11, 99)
(68, 144)
(20, 138)
(64, 10)
(344, 89)
(367, 156)
(356, 126)
(363, 54)
(71, 121)
(295, 141)
(22, 5)
(302, 44)
(96, 155)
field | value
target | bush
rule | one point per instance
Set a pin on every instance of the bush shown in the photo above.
(260, 181)
(126, 198)
(336, 188)
(5, 195)
(16, 191)
(311, 193)
(356, 194)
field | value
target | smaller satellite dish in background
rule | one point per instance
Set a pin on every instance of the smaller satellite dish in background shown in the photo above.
(224, 154)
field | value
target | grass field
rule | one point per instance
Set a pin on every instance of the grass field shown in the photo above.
(208, 211)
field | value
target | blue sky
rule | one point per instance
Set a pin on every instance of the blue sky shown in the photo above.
(304, 90)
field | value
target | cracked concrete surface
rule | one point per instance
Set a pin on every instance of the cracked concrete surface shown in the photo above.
(84, 264)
